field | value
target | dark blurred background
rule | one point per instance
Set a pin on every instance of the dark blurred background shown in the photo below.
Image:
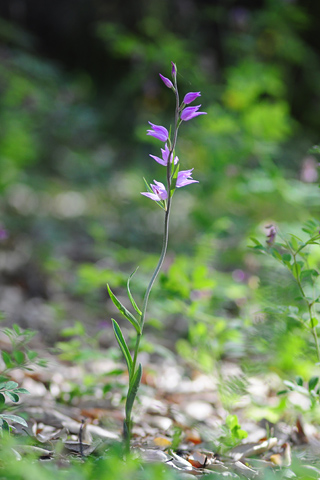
(78, 84)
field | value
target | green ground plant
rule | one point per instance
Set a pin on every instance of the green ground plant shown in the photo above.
(10, 390)
(295, 254)
(20, 357)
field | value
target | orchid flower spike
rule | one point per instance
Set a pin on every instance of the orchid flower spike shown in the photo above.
(190, 112)
(159, 192)
(165, 155)
(159, 132)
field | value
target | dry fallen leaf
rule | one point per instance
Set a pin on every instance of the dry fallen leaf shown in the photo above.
(162, 442)
(198, 460)
(193, 436)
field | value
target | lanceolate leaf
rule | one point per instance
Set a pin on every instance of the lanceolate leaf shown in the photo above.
(14, 418)
(124, 311)
(5, 425)
(133, 389)
(312, 383)
(12, 396)
(9, 385)
(122, 345)
(22, 390)
(7, 359)
(135, 306)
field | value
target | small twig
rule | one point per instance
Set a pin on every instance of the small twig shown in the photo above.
(81, 437)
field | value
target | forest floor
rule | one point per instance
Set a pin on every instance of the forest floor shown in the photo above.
(183, 419)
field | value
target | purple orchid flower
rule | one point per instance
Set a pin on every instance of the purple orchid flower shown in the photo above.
(185, 178)
(166, 81)
(190, 97)
(3, 233)
(190, 112)
(165, 155)
(159, 192)
(271, 234)
(159, 132)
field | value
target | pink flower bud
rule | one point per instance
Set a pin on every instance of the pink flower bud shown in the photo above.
(271, 234)
(190, 97)
(166, 81)
(174, 71)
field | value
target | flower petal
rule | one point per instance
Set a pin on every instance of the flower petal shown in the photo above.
(159, 132)
(190, 112)
(165, 155)
(153, 196)
(159, 189)
(159, 160)
(174, 70)
(190, 97)
(185, 178)
(166, 81)
(159, 192)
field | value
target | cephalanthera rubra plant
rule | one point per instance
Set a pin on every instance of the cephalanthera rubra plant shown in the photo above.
(162, 195)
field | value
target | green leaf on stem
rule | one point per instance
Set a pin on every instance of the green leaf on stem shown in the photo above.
(14, 418)
(5, 425)
(313, 322)
(122, 345)
(133, 389)
(124, 311)
(9, 385)
(174, 179)
(23, 390)
(296, 269)
(295, 242)
(7, 359)
(312, 383)
(309, 275)
(282, 392)
(133, 303)
(259, 244)
(276, 254)
(19, 357)
(13, 397)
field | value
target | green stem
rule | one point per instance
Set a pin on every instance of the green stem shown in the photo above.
(309, 305)
(316, 341)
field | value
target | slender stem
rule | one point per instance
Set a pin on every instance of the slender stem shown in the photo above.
(309, 305)
(316, 341)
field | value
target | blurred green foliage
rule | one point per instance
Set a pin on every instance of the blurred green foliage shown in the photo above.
(73, 152)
